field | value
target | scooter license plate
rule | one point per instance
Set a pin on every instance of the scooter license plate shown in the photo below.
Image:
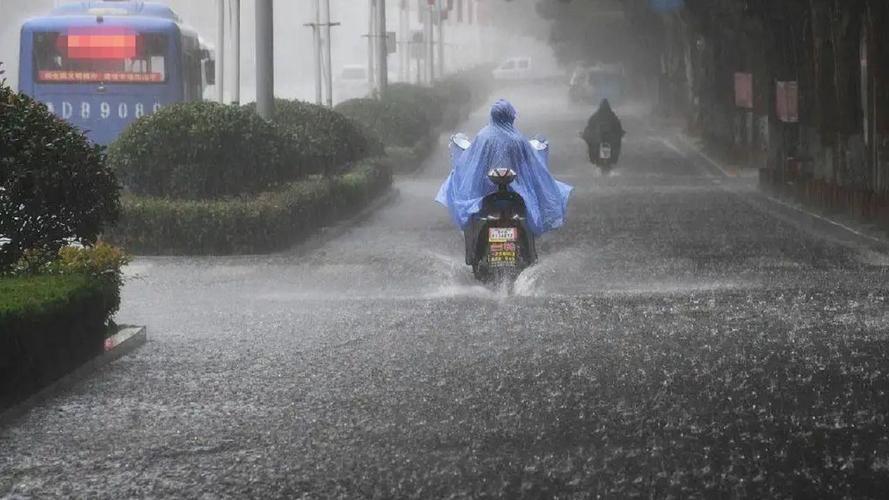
(502, 254)
(502, 234)
(605, 151)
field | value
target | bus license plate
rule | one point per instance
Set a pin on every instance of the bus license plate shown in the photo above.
(502, 234)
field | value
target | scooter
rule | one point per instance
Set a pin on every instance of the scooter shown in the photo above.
(499, 243)
(603, 153)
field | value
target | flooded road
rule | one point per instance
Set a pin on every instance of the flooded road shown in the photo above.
(373, 365)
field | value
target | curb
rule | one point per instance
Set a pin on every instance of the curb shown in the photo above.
(122, 343)
(789, 211)
(329, 233)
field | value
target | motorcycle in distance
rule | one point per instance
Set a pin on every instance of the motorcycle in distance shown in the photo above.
(603, 154)
(499, 243)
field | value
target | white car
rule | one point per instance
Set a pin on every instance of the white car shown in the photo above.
(514, 68)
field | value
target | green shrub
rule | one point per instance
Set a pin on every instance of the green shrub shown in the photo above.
(322, 140)
(427, 101)
(404, 160)
(271, 221)
(49, 325)
(202, 150)
(458, 95)
(396, 124)
(54, 185)
(101, 262)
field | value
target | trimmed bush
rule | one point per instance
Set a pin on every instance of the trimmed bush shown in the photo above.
(54, 185)
(403, 160)
(49, 325)
(271, 221)
(322, 141)
(395, 123)
(203, 150)
(428, 101)
(458, 94)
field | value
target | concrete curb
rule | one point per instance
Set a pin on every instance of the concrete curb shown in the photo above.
(117, 346)
(796, 213)
(329, 233)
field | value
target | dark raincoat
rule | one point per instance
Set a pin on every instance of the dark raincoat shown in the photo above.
(603, 126)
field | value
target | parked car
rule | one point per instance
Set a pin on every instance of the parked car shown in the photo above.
(514, 68)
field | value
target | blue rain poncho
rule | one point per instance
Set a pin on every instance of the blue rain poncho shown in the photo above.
(501, 145)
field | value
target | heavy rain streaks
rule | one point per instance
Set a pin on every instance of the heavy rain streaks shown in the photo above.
(685, 334)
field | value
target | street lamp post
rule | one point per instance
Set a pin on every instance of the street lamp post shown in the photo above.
(220, 50)
(327, 43)
(265, 59)
(371, 45)
(236, 50)
(316, 40)
(382, 48)
(430, 44)
(441, 38)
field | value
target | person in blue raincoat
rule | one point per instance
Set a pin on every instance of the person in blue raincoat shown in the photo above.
(501, 145)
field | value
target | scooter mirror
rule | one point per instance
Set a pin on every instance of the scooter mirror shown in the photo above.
(539, 144)
(461, 141)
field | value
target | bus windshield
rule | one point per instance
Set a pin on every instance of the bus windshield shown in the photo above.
(100, 55)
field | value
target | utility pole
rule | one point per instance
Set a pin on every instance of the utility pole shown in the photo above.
(236, 49)
(327, 41)
(220, 50)
(371, 45)
(316, 39)
(404, 55)
(265, 59)
(382, 48)
(441, 38)
(323, 64)
(430, 44)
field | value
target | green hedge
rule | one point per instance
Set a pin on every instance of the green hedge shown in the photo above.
(395, 124)
(322, 140)
(427, 101)
(408, 115)
(404, 160)
(49, 325)
(54, 185)
(203, 150)
(269, 222)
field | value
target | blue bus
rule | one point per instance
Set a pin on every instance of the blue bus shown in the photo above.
(103, 64)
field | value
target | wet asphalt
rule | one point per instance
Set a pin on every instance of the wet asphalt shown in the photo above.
(372, 365)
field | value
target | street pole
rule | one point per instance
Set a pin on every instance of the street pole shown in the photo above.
(441, 39)
(327, 43)
(430, 45)
(265, 59)
(236, 50)
(220, 50)
(404, 49)
(316, 39)
(371, 45)
(382, 48)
